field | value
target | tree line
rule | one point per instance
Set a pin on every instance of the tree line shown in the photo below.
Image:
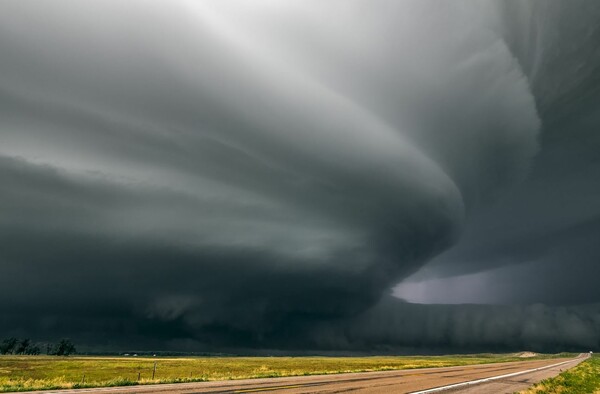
(13, 345)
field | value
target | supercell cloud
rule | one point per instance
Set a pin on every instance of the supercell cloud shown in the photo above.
(243, 175)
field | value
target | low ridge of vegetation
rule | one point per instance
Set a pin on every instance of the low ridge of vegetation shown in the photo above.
(22, 373)
(583, 379)
(25, 346)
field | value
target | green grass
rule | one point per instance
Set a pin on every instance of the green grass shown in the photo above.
(21, 373)
(583, 379)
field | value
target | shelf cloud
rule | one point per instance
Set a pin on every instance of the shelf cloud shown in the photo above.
(232, 174)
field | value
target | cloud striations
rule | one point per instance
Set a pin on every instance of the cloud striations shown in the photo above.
(260, 174)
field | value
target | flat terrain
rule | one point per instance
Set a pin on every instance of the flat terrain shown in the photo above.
(21, 373)
(521, 374)
(584, 378)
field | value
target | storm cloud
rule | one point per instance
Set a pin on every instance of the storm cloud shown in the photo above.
(261, 174)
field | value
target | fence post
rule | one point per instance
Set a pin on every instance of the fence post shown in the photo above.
(154, 370)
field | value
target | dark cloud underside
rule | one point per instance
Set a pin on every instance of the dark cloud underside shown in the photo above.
(228, 174)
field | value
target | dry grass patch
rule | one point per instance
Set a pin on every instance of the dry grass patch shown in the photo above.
(583, 379)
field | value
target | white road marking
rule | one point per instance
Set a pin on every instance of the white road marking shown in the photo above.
(471, 382)
(183, 385)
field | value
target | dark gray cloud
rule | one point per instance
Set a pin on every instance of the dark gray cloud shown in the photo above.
(538, 243)
(395, 325)
(235, 174)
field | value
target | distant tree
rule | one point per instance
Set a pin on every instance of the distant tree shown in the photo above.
(8, 345)
(64, 348)
(13, 345)
(32, 350)
(22, 346)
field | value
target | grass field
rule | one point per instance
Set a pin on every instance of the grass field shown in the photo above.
(583, 379)
(20, 373)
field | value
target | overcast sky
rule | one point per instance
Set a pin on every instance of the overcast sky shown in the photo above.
(266, 174)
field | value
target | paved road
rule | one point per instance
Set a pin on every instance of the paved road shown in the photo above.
(507, 378)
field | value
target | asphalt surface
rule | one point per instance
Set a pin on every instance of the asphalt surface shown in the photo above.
(506, 378)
